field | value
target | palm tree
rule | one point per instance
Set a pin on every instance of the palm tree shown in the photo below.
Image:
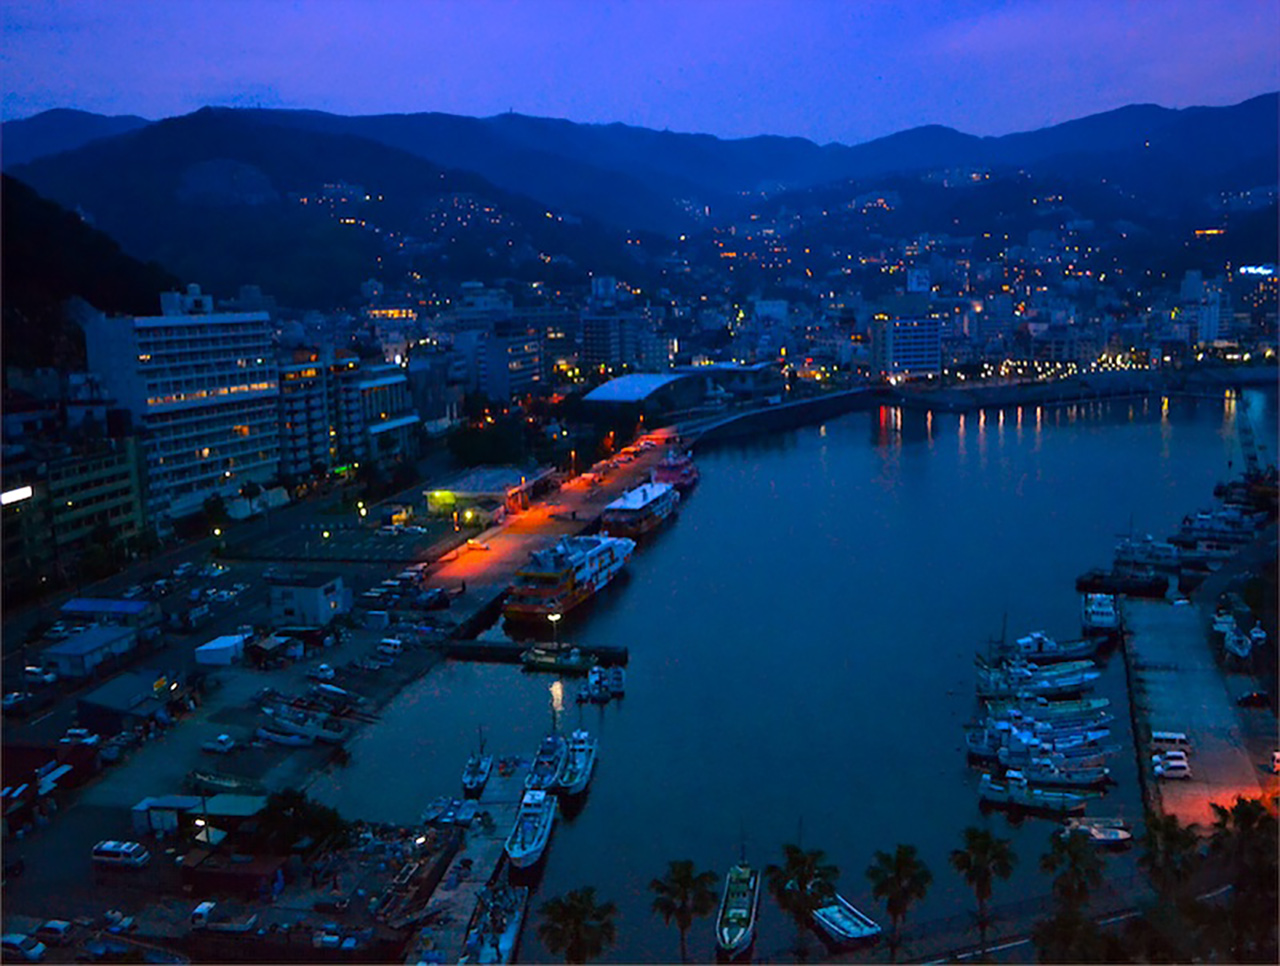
(803, 883)
(899, 879)
(1169, 853)
(575, 925)
(1245, 836)
(1078, 868)
(983, 858)
(684, 895)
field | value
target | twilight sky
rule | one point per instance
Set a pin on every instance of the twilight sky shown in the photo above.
(830, 70)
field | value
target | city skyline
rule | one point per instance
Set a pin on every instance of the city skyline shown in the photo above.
(768, 69)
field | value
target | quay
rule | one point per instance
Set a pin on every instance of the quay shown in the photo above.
(508, 652)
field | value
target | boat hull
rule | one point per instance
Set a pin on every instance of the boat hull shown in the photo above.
(739, 906)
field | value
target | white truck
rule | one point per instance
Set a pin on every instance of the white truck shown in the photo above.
(207, 915)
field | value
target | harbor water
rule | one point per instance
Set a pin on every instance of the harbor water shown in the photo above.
(802, 640)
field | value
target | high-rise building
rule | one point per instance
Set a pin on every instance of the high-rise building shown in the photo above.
(203, 387)
(511, 360)
(907, 348)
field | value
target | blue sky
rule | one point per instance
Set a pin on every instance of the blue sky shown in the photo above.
(845, 71)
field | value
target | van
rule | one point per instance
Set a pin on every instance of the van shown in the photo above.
(389, 645)
(1168, 740)
(128, 854)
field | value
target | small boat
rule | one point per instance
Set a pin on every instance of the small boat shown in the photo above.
(596, 689)
(843, 923)
(562, 659)
(466, 813)
(677, 469)
(1009, 682)
(1015, 790)
(495, 924)
(548, 763)
(1046, 710)
(1099, 614)
(1053, 774)
(579, 764)
(476, 772)
(1039, 646)
(617, 678)
(529, 837)
(285, 738)
(436, 808)
(739, 905)
(1100, 831)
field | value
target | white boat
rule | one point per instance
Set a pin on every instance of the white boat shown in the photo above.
(1011, 682)
(638, 511)
(532, 831)
(1099, 831)
(1015, 790)
(476, 772)
(1098, 614)
(843, 923)
(548, 763)
(617, 680)
(310, 724)
(1039, 646)
(1147, 552)
(739, 905)
(1046, 710)
(561, 577)
(285, 738)
(579, 763)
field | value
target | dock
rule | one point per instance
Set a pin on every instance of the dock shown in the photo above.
(508, 652)
(1177, 685)
(477, 863)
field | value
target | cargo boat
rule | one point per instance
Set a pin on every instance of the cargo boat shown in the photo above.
(639, 511)
(561, 577)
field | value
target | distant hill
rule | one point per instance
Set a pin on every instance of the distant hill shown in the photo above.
(49, 255)
(639, 178)
(214, 197)
(62, 129)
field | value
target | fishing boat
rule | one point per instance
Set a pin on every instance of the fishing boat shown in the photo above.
(495, 924)
(315, 725)
(561, 577)
(529, 837)
(1098, 614)
(1047, 710)
(1015, 790)
(1147, 553)
(1009, 682)
(547, 763)
(1018, 753)
(990, 742)
(476, 772)
(739, 904)
(559, 658)
(579, 763)
(1040, 647)
(617, 679)
(843, 923)
(678, 470)
(596, 690)
(1052, 774)
(1134, 583)
(639, 511)
(1056, 724)
(1099, 831)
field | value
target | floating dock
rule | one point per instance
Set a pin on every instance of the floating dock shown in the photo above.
(508, 652)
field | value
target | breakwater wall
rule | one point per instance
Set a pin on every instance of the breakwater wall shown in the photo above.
(788, 415)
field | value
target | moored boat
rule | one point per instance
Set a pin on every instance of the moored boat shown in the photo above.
(285, 738)
(678, 470)
(1009, 682)
(739, 905)
(843, 923)
(476, 772)
(617, 680)
(639, 511)
(1015, 790)
(560, 658)
(1098, 614)
(1137, 583)
(559, 578)
(495, 924)
(579, 763)
(532, 831)
(1043, 771)
(1099, 831)
(547, 763)
(1047, 710)
(1040, 647)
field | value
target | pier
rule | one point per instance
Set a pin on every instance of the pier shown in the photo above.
(508, 652)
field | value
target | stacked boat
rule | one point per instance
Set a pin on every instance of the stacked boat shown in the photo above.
(1041, 740)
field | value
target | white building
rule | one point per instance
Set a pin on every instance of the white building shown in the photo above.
(906, 347)
(203, 386)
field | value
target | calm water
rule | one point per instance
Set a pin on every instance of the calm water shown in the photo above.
(802, 642)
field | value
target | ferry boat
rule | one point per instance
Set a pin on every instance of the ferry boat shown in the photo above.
(678, 470)
(739, 904)
(495, 924)
(532, 831)
(548, 763)
(1098, 614)
(561, 577)
(639, 511)
(579, 764)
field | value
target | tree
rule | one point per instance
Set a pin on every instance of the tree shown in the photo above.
(803, 883)
(983, 858)
(215, 510)
(1068, 935)
(683, 895)
(290, 816)
(575, 925)
(899, 879)
(1169, 853)
(1245, 839)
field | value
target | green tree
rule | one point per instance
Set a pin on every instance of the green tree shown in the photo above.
(983, 859)
(900, 879)
(290, 817)
(1170, 854)
(803, 883)
(574, 924)
(1069, 935)
(1245, 840)
(683, 895)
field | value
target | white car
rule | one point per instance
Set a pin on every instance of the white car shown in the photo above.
(17, 947)
(1173, 769)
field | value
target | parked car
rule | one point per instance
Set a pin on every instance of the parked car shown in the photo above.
(323, 673)
(220, 745)
(39, 675)
(79, 736)
(1173, 769)
(20, 948)
(55, 932)
(15, 702)
(183, 569)
(127, 854)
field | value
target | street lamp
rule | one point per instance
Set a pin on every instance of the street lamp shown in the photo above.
(555, 620)
(217, 531)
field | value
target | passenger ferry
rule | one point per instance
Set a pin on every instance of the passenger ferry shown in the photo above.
(558, 579)
(638, 511)
(678, 470)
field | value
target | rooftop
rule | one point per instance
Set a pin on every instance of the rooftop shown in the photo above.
(493, 480)
(633, 388)
(302, 579)
(104, 605)
(87, 641)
